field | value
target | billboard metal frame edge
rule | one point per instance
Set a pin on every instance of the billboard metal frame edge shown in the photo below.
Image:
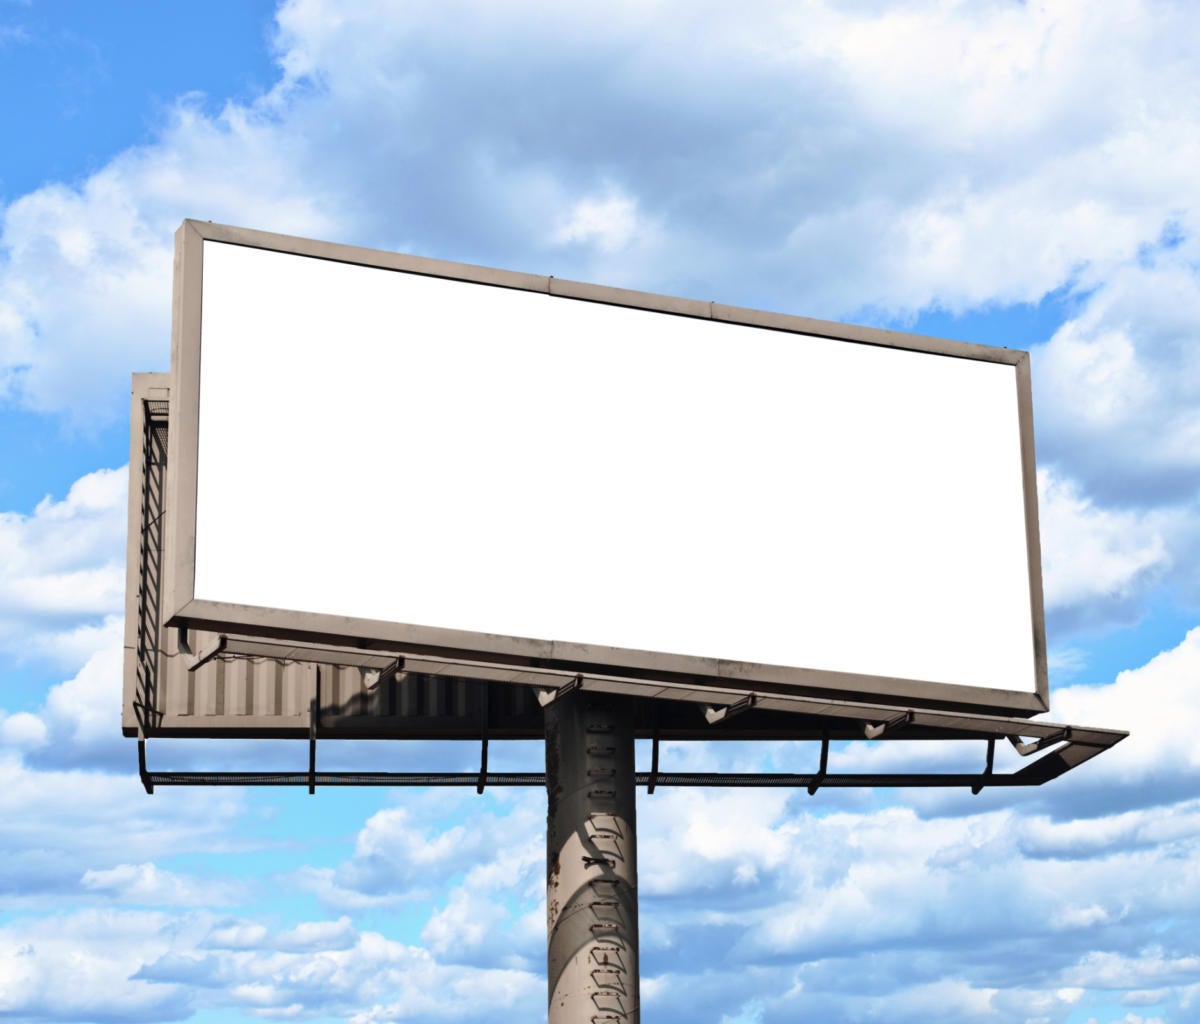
(183, 610)
(145, 387)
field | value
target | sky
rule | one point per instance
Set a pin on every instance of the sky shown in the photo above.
(1019, 174)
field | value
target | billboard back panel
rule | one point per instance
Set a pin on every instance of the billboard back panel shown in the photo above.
(463, 459)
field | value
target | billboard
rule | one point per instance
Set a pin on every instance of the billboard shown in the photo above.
(390, 452)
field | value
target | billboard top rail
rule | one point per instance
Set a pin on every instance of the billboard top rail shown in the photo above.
(192, 230)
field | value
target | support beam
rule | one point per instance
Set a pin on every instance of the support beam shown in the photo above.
(591, 861)
(824, 769)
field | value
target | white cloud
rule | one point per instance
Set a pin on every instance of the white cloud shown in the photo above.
(84, 713)
(70, 967)
(147, 884)
(79, 723)
(1158, 703)
(1065, 663)
(701, 840)
(1096, 560)
(1087, 837)
(62, 569)
(402, 852)
(60, 825)
(85, 272)
(1118, 385)
(22, 730)
(880, 907)
(610, 222)
(924, 961)
(1149, 966)
(158, 967)
(318, 935)
(467, 923)
(237, 935)
(846, 158)
(480, 879)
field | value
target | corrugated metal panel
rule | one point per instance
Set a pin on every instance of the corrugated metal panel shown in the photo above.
(273, 696)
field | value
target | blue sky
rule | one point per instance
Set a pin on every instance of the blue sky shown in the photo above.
(1014, 174)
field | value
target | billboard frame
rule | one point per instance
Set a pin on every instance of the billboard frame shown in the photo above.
(183, 610)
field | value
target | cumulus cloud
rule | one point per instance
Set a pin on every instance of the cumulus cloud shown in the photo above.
(465, 924)
(840, 895)
(85, 271)
(666, 105)
(22, 730)
(68, 967)
(147, 884)
(402, 853)
(61, 825)
(609, 222)
(992, 915)
(144, 966)
(62, 569)
(79, 722)
(62, 592)
(1096, 562)
(1149, 967)
(331, 968)
(654, 163)
(318, 935)
(1158, 704)
(237, 935)
(83, 716)
(1118, 385)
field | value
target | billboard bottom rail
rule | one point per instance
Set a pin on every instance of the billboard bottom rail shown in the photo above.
(1069, 754)
(151, 779)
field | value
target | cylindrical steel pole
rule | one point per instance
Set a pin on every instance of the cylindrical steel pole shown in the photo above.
(591, 861)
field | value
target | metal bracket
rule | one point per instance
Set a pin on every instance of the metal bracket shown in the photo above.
(987, 771)
(820, 776)
(388, 673)
(204, 656)
(314, 711)
(722, 714)
(548, 697)
(1041, 743)
(873, 732)
(483, 747)
(142, 772)
(653, 780)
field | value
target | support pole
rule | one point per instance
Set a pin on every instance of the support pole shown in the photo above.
(591, 861)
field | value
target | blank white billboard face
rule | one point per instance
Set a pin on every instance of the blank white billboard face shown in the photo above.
(387, 446)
